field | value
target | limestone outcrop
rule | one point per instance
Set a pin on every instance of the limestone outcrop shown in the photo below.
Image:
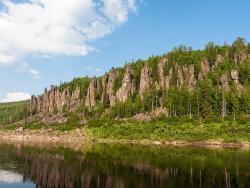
(75, 99)
(135, 80)
(55, 100)
(160, 69)
(224, 82)
(240, 56)
(108, 84)
(180, 76)
(168, 79)
(128, 87)
(93, 90)
(185, 77)
(235, 78)
(219, 60)
(205, 68)
(145, 79)
(191, 78)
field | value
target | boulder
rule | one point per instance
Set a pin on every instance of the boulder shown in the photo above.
(20, 129)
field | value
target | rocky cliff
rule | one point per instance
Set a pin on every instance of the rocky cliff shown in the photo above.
(55, 100)
(178, 70)
(128, 87)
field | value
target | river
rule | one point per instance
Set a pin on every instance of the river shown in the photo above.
(122, 166)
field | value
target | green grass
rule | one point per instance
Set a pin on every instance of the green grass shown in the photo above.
(10, 112)
(170, 130)
(160, 129)
(36, 125)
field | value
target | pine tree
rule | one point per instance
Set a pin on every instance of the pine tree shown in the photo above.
(206, 102)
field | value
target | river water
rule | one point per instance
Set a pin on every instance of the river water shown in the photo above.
(123, 166)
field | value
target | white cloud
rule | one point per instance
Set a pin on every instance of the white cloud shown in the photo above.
(56, 27)
(93, 69)
(24, 68)
(35, 73)
(16, 96)
(117, 10)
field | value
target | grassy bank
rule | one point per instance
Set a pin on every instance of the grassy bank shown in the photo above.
(160, 129)
(11, 112)
(171, 129)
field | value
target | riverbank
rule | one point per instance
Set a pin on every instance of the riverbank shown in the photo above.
(73, 139)
(79, 137)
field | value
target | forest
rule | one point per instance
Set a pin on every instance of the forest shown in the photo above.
(202, 84)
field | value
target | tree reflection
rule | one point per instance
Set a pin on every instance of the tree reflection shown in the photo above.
(106, 166)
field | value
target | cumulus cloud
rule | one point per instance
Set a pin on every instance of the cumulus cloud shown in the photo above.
(56, 27)
(16, 96)
(117, 10)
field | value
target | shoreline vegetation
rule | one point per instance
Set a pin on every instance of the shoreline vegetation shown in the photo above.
(35, 138)
(160, 131)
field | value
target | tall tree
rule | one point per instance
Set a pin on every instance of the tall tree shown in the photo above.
(206, 100)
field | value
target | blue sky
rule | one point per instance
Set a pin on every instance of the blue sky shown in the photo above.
(134, 29)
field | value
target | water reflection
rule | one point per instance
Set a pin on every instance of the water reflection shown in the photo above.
(120, 166)
(7, 177)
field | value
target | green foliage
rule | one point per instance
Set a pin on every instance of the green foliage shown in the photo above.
(244, 73)
(206, 90)
(171, 129)
(137, 67)
(244, 102)
(211, 51)
(233, 105)
(205, 100)
(151, 99)
(153, 64)
(118, 82)
(11, 112)
(185, 55)
(239, 44)
(82, 82)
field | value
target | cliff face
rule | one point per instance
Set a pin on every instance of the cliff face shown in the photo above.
(128, 87)
(108, 84)
(145, 79)
(161, 67)
(93, 90)
(159, 75)
(55, 100)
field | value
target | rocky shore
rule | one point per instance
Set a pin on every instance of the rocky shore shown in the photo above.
(72, 139)
(78, 137)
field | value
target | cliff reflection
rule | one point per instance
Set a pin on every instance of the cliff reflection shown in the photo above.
(107, 166)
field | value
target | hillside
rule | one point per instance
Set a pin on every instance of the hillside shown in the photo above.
(198, 84)
(184, 82)
(11, 112)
